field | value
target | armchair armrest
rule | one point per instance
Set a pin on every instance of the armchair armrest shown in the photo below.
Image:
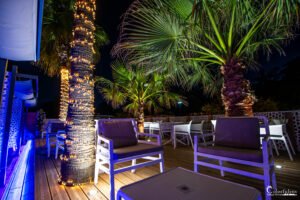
(266, 149)
(104, 147)
(195, 143)
(105, 140)
(265, 138)
(158, 142)
(61, 134)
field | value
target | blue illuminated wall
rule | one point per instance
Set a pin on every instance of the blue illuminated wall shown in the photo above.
(15, 124)
(3, 105)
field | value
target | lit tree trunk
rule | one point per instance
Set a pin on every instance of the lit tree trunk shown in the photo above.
(64, 93)
(78, 159)
(140, 118)
(236, 94)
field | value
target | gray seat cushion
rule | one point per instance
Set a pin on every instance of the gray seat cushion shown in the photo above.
(134, 150)
(241, 154)
(122, 133)
(239, 132)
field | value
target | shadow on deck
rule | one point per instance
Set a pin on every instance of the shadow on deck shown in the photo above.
(47, 169)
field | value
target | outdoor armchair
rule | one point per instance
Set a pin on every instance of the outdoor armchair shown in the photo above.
(117, 142)
(237, 140)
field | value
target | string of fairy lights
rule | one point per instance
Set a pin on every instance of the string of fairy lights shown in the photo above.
(80, 142)
(64, 94)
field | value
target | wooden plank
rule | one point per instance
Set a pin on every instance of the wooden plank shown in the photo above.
(58, 192)
(103, 187)
(134, 176)
(287, 177)
(74, 192)
(118, 184)
(92, 192)
(41, 191)
(126, 179)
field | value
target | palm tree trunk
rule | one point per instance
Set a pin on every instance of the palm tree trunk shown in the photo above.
(64, 93)
(78, 159)
(236, 94)
(140, 119)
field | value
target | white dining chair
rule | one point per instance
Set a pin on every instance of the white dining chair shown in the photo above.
(214, 122)
(147, 127)
(284, 122)
(154, 127)
(205, 133)
(277, 133)
(184, 133)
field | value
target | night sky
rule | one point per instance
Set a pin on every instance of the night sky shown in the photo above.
(277, 78)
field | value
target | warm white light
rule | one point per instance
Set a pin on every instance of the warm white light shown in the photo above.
(278, 166)
(64, 94)
(92, 192)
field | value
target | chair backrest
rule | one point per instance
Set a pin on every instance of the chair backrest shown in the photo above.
(164, 127)
(154, 125)
(147, 124)
(275, 130)
(121, 132)
(198, 128)
(183, 128)
(208, 126)
(56, 126)
(280, 121)
(214, 122)
(239, 132)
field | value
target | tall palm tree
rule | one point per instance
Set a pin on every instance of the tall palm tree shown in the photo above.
(138, 91)
(225, 35)
(55, 48)
(79, 156)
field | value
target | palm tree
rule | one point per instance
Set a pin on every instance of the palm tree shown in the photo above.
(78, 160)
(138, 90)
(55, 48)
(215, 34)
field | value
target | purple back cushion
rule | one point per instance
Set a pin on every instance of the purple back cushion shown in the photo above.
(121, 132)
(57, 127)
(240, 132)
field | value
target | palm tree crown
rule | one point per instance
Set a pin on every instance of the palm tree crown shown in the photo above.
(137, 89)
(215, 33)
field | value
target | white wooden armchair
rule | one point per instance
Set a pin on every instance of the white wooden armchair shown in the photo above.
(117, 142)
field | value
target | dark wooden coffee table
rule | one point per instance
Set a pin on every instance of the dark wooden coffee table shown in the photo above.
(184, 184)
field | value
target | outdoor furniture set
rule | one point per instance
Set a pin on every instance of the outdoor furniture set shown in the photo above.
(235, 140)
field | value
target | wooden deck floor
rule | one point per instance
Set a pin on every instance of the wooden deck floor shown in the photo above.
(46, 174)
